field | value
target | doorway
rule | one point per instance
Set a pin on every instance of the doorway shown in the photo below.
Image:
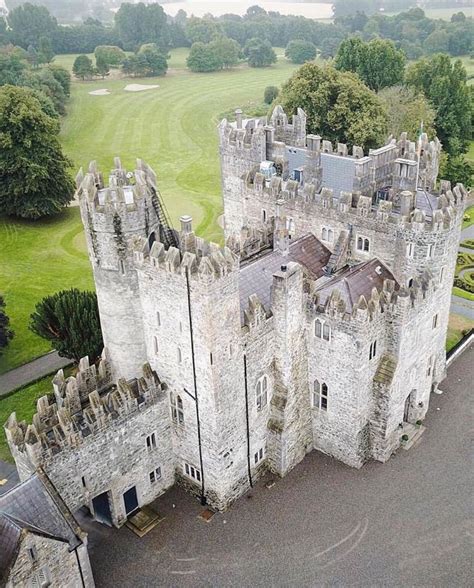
(101, 507)
(130, 500)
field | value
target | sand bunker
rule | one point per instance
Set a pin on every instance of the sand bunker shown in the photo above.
(139, 87)
(103, 92)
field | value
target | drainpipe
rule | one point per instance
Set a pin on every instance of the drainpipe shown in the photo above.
(247, 420)
(203, 497)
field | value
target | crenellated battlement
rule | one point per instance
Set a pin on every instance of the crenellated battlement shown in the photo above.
(430, 212)
(81, 406)
(196, 258)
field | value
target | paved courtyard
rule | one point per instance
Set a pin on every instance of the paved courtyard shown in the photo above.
(404, 523)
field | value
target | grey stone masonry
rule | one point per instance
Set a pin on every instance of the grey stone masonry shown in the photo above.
(321, 324)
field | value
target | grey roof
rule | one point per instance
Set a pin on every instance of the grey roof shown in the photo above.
(356, 281)
(426, 202)
(338, 173)
(35, 506)
(257, 276)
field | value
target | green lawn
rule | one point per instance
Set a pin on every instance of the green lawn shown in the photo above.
(173, 128)
(468, 218)
(23, 403)
(36, 259)
(470, 153)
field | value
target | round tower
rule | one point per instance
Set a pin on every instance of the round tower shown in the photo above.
(113, 217)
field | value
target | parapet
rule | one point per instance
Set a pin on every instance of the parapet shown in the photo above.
(80, 406)
(195, 257)
(125, 192)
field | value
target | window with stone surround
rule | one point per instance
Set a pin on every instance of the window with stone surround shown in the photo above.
(429, 369)
(363, 244)
(155, 344)
(262, 392)
(320, 395)
(155, 475)
(177, 409)
(151, 441)
(410, 250)
(373, 350)
(327, 234)
(192, 472)
(322, 330)
(258, 456)
(435, 321)
(429, 251)
(264, 215)
(158, 318)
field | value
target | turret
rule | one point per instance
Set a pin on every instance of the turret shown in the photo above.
(113, 216)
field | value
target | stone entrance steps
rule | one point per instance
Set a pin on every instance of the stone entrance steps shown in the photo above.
(414, 435)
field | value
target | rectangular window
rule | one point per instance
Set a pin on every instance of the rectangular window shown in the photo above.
(258, 456)
(441, 275)
(192, 472)
(32, 553)
(429, 252)
(373, 350)
(264, 215)
(151, 441)
(83, 480)
(155, 344)
(158, 319)
(122, 267)
(327, 234)
(155, 475)
(435, 321)
(410, 250)
(429, 369)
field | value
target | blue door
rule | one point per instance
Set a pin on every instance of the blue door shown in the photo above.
(130, 500)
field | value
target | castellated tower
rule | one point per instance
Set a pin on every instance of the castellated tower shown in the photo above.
(113, 216)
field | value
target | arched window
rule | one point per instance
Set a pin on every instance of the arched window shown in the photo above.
(262, 392)
(325, 234)
(320, 395)
(363, 244)
(330, 235)
(177, 409)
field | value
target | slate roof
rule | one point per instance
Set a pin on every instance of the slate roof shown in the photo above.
(34, 506)
(356, 281)
(256, 277)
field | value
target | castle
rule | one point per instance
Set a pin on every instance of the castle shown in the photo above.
(321, 324)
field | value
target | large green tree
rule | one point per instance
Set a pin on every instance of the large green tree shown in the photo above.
(113, 56)
(259, 52)
(34, 173)
(378, 63)
(29, 23)
(406, 109)
(203, 58)
(300, 51)
(138, 24)
(338, 105)
(444, 84)
(6, 334)
(83, 67)
(70, 321)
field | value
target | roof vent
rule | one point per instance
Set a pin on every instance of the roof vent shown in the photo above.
(378, 270)
(283, 268)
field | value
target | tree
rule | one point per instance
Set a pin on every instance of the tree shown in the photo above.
(444, 84)
(29, 23)
(338, 105)
(378, 63)
(113, 56)
(6, 334)
(271, 94)
(456, 168)
(102, 67)
(62, 76)
(138, 24)
(34, 173)
(46, 53)
(226, 50)
(437, 42)
(203, 58)
(156, 59)
(259, 53)
(405, 110)
(202, 30)
(299, 51)
(83, 67)
(70, 320)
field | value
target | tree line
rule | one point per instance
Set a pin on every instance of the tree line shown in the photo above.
(139, 24)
